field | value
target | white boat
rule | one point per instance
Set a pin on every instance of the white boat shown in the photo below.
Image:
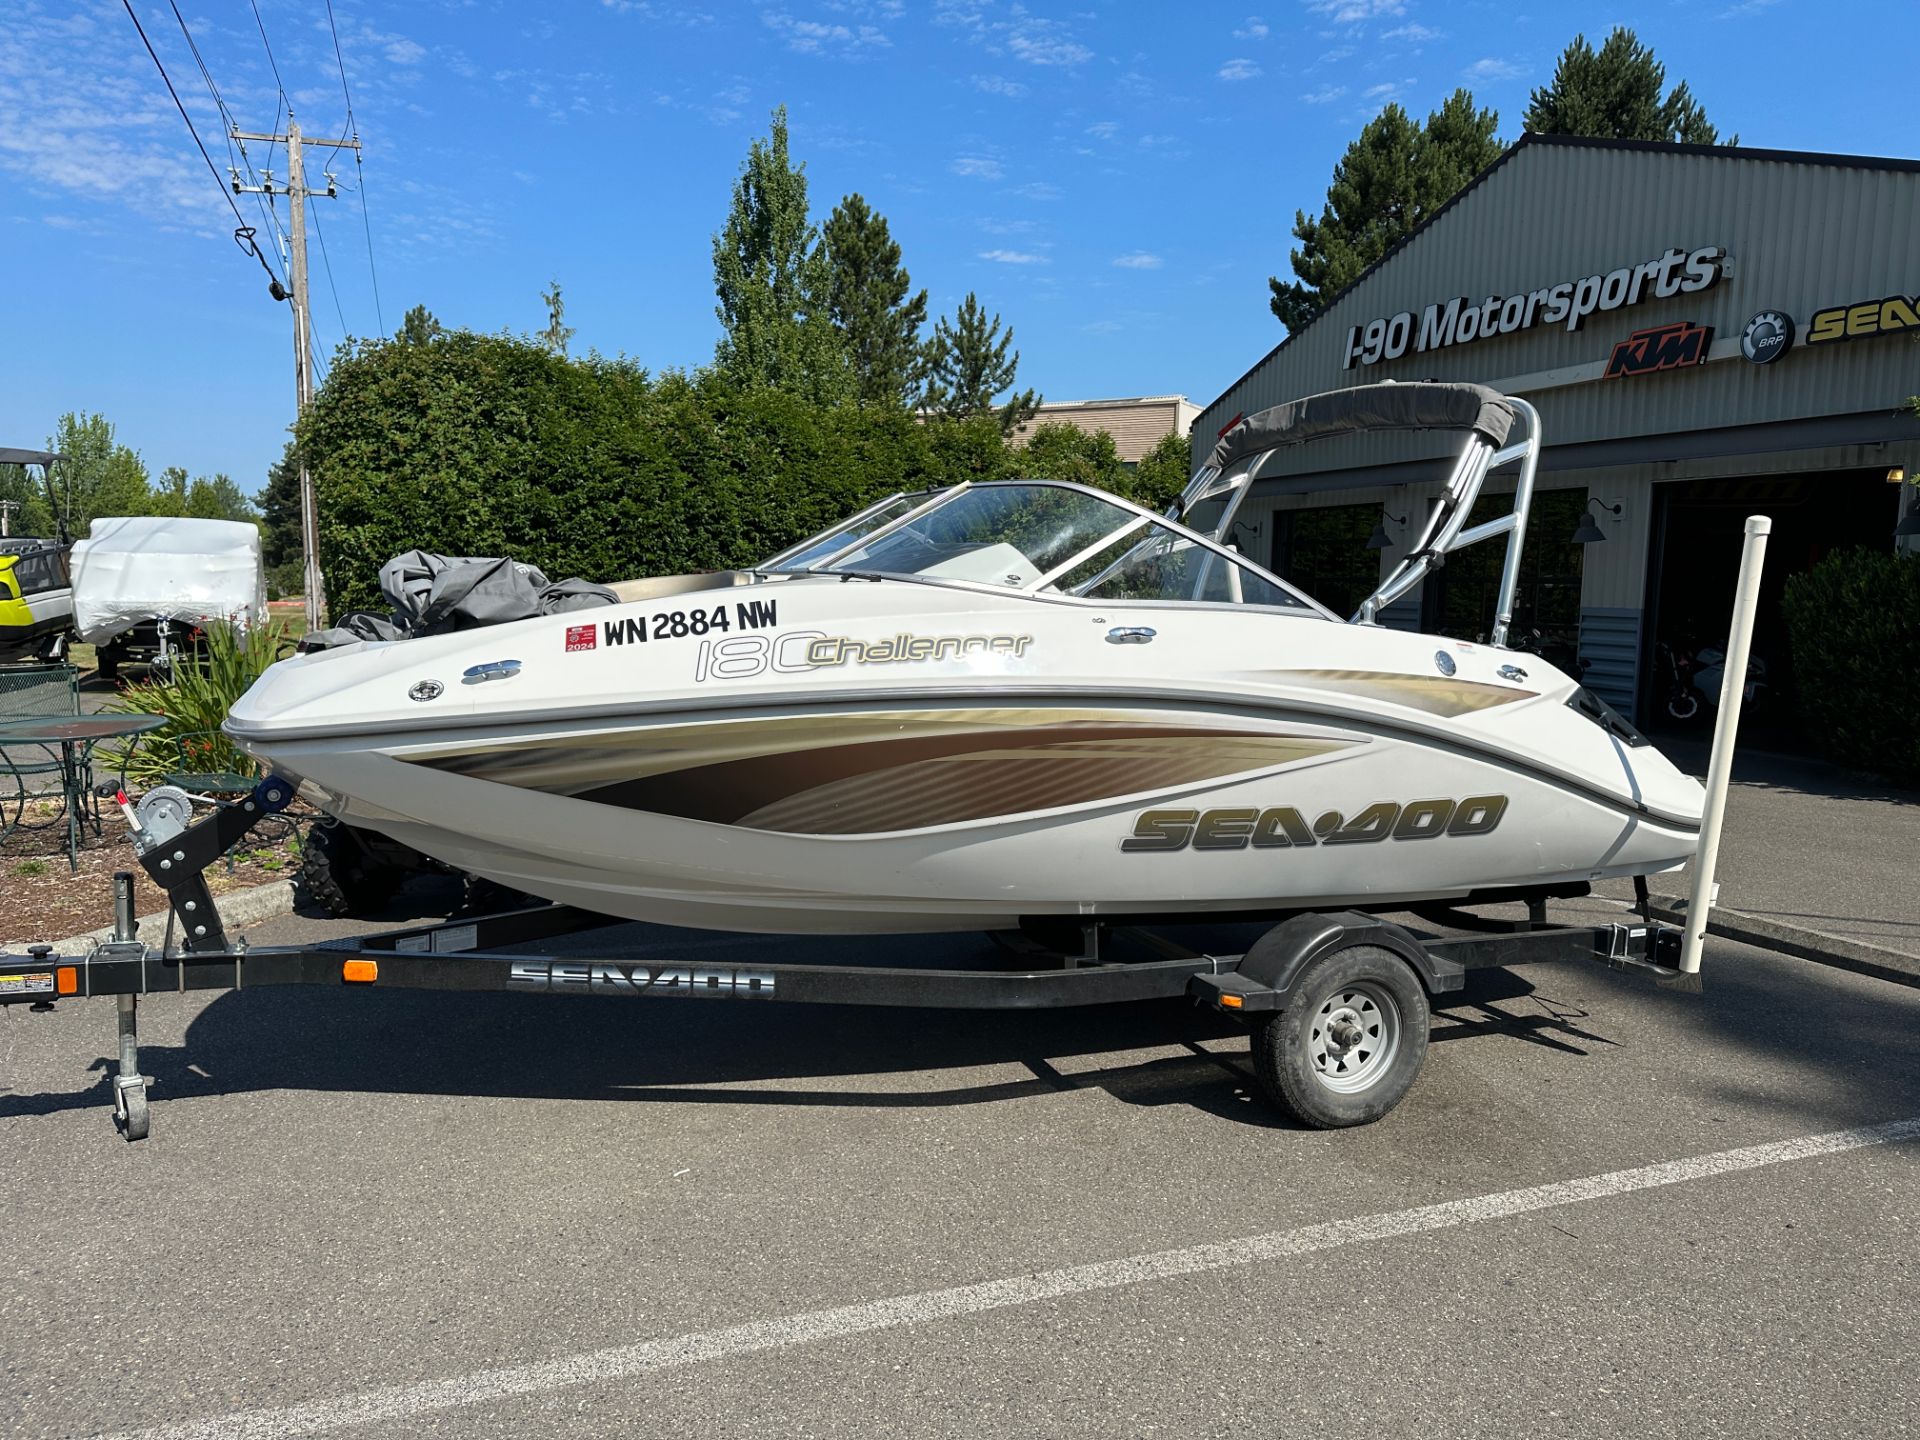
(1001, 701)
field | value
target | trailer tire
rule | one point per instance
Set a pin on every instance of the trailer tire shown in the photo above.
(1351, 1041)
(340, 875)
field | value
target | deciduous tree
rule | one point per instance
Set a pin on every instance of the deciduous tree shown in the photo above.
(773, 282)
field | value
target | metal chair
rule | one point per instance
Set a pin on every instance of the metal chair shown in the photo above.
(33, 772)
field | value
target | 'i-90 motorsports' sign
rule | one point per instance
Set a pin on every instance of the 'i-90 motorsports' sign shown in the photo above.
(1461, 321)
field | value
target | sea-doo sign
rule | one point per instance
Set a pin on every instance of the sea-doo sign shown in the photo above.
(1462, 320)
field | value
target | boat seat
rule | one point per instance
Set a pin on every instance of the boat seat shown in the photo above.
(658, 586)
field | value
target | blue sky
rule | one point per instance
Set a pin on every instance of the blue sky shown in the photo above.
(1118, 182)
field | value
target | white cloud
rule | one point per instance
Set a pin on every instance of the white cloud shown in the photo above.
(1045, 42)
(1013, 257)
(1138, 260)
(814, 37)
(999, 85)
(402, 51)
(1104, 130)
(1038, 190)
(1355, 12)
(1254, 29)
(1326, 95)
(977, 167)
(1239, 70)
(1493, 68)
(1748, 7)
(1413, 33)
(1381, 92)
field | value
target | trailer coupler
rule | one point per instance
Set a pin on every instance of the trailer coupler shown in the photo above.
(177, 861)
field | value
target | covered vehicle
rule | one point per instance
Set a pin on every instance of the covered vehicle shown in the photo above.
(141, 583)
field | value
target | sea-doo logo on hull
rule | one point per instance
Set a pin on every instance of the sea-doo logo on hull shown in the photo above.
(1282, 826)
(597, 977)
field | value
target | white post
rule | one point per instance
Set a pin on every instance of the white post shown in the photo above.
(1733, 689)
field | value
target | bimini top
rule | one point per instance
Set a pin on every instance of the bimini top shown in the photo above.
(1422, 405)
(27, 457)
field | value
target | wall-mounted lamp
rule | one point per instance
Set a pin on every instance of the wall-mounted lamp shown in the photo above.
(1588, 532)
(1379, 539)
(1896, 475)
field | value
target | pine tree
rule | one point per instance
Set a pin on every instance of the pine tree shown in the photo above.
(279, 502)
(558, 332)
(773, 281)
(969, 365)
(868, 299)
(421, 325)
(1614, 94)
(1393, 176)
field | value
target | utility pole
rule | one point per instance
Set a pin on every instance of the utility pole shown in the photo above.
(296, 192)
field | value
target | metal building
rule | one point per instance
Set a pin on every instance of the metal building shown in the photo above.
(1707, 333)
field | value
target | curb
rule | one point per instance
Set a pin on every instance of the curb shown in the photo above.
(1855, 955)
(236, 909)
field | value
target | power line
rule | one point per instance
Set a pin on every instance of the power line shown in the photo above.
(270, 60)
(327, 261)
(353, 128)
(230, 125)
(244, 233)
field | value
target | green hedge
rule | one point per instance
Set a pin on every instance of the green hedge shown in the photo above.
(488, 445)
(1853, 629)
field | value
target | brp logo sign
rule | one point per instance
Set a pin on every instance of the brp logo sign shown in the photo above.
(1768, 336)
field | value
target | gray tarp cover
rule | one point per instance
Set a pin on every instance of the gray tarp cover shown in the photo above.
(433, 594)
(1418, 406)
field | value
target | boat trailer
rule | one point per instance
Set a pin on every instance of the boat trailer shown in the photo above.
(1376, 1028)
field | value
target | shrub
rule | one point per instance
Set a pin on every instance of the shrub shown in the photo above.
(488, 445)
(1853, 631)
(195, 698)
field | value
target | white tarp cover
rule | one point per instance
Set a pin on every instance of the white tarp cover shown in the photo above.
(136, 568)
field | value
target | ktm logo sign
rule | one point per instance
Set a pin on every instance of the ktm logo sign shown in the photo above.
(1664, 347)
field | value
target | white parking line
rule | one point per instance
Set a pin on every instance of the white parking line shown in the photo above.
(399, 1402)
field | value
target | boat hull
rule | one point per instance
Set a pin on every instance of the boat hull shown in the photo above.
(887, 758)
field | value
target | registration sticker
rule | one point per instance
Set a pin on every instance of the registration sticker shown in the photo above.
(581, 637)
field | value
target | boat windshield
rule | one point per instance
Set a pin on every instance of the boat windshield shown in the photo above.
(1055, 538)
(819, 547)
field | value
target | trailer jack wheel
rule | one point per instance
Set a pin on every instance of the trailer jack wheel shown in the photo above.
(1351, 1041)
(130, 1106)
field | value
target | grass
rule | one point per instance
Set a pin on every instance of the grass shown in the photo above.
(30, 869)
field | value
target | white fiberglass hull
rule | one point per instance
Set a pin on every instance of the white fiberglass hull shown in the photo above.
(858, 757)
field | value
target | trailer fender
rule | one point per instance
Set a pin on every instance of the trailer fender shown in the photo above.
(1266, 976)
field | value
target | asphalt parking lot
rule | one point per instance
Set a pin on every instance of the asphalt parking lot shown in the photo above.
(394, 1214)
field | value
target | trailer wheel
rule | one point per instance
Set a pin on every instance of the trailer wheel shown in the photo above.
(340, 875)
(1351, 1041)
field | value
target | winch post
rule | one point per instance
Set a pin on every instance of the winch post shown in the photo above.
(129, 1085)
(178, 863)
(1733, 690)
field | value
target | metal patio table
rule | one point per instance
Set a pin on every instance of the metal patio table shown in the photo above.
(76, 736)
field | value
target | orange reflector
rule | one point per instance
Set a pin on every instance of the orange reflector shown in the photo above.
(360, 972)
(66, 980)
(1231, 1002)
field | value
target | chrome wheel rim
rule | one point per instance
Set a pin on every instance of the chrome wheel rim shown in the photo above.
(1354, 1037)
